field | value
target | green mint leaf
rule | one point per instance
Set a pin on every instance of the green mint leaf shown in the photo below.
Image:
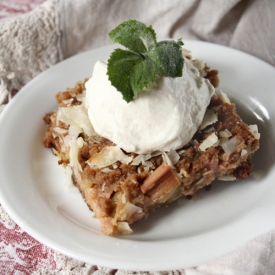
(128, 35)
(143, 74)
(147, 60)
(148, 37)
(168, 56)
(120, 66)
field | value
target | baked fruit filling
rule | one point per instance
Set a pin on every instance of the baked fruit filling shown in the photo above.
(146, 129)
(121, 188)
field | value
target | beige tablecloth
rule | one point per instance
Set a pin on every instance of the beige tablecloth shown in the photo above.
(57, 29)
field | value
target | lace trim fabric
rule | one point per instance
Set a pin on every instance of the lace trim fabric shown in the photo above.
(30, 44)
(11, 8)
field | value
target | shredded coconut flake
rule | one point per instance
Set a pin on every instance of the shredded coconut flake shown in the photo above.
(146, 169)
(223, 140)
(67, 101)
(230, 145)
(209, 118)
(200, 65)
(225, 97)
(167, 160)
(156, 153)
(149, 164)
(129, 210)
(75, 145)
(199, 182)
(225, 133)
(254, 131)
(137, 160)
(216, 108)
(124, 228)
(123, 198)
(60, 130)
(141, 158)
(209, 142)
(106, 170)
(207, 173)
(108, 156)
(181, 151)
(173, 156)
(186, 53)
(76, 116)
(227, 178)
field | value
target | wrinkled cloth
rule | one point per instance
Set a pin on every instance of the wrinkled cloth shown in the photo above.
(32, 42)
(58, 29)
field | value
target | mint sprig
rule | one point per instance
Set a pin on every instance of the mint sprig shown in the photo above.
(145, 60)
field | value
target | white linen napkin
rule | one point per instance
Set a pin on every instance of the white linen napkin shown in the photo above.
(58, 29)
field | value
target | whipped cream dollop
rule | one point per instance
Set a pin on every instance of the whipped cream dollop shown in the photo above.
(163, 117)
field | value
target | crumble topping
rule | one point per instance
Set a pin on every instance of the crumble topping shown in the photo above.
(122, 187)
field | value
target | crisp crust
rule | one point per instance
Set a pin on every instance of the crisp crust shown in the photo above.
(118, 195)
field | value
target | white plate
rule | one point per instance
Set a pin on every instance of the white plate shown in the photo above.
(35, 192)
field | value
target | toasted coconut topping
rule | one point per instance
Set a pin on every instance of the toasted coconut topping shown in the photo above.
(254, 131)
(231, 145)
(209, 118)
(181, 151)
(123, 198)
(199, 182)
(108, 156)
(243, 153)
(140, 159)
(216, 108)
(60, 130)
(173, 156)
(225, 134)
(68, 101)
(186, 53)
(200, 65)
(211, 140)
(137, 160)
(76, 116)
(75, 145)
(130, 211)
(227, 178)
(106, 170)
(225, 97)
(124, 228)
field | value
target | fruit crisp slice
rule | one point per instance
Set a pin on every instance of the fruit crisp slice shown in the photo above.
(121, 188)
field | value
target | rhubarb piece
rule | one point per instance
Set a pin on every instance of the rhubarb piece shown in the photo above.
(159, 185)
